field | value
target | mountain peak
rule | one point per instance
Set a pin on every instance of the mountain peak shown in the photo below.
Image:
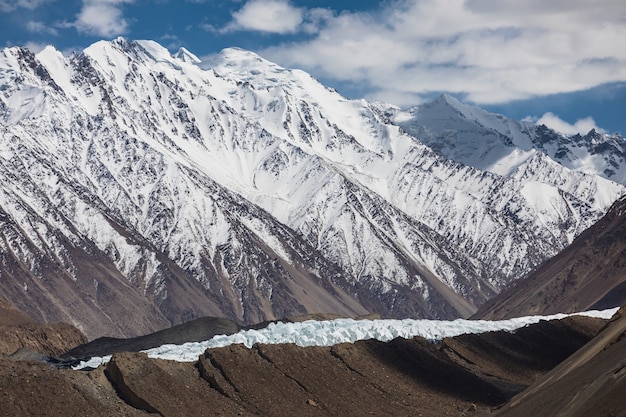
(184, 55)
(248, 66)
(103, 46)
(121, 42)
(469, 134)
(259, 184)
(50, 49)
(448, 99)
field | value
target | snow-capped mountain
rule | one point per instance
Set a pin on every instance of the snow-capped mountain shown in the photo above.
(495, 143)
(136, 183)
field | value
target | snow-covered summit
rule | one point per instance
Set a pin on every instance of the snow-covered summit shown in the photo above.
(184, 55)
(245, 64)
(468, 134)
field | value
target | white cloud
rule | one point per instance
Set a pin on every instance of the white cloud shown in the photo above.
(102, 18)
(209, 27)
(490, 51)
(582, 126)
(315, 19)
(273, 16)
(10, 5)
(41, 27)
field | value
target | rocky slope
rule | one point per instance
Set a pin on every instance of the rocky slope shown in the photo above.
(140, 189)
(10, 316)
(463, 375)
(588, 274)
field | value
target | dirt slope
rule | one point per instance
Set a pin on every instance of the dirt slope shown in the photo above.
(590, 383)
(10, 316)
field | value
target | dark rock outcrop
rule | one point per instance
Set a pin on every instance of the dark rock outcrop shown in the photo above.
(18, 333)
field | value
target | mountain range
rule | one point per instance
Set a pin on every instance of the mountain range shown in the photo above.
(141, 189)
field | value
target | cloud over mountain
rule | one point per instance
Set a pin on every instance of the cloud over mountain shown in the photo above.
(102, 18)
(490, 51)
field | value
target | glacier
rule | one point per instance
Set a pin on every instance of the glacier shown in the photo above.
(333, 332)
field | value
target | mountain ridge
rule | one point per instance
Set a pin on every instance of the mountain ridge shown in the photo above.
(503, 143)
(248, 191)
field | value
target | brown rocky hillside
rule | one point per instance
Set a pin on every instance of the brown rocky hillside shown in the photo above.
(590, 383)
(467, 375)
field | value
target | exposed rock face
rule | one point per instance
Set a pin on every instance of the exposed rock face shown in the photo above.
(18, 332)
(588, 274)
(464, 375)
(50, 339)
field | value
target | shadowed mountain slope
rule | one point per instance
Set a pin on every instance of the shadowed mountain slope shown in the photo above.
(590, 383)
(196, 330)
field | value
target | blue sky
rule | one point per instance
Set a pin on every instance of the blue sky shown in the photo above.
(559, 62)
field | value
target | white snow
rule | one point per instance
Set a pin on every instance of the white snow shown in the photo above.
(332, 332)
(29, 102)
